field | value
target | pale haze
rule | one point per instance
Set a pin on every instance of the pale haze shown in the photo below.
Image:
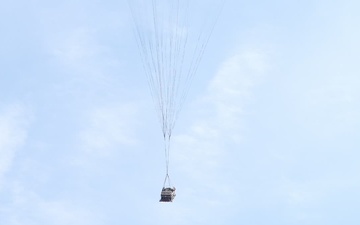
(269, 133)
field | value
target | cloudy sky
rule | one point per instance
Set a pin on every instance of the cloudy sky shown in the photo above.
(268, 135)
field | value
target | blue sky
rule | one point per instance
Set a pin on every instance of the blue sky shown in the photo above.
(268, 135)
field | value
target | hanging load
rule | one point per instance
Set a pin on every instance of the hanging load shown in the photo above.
(168, 194)
(172, 36)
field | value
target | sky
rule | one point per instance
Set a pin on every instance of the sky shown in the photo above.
(268, 134)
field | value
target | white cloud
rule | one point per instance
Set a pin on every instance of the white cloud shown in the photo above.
(227, 94)
(62, 212)
(332, 107)
(75, 46)
(107, 128)
(201, 154)
(233, 84)
(29, 208)
(83, 58)
(13, 122)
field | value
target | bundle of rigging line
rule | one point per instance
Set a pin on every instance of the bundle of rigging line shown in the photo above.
(172, 36)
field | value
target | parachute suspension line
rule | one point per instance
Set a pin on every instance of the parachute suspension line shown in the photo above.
(181, 53)
(167, 181)
(170, 55)
(163, 46)
(171, 69)
(147, 54)
(180, 50)
(202, 42)
(157, 64)
(167, 159)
